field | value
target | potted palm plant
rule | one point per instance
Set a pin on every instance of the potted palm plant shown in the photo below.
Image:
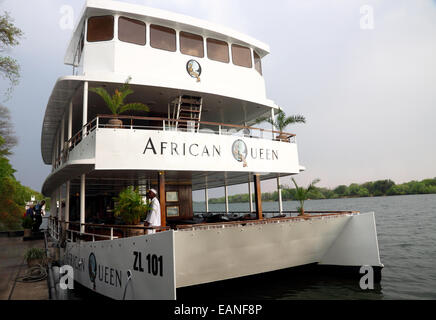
(116, 104)
(130, 207)
(282, 121)
(301, 194)
(35, 256)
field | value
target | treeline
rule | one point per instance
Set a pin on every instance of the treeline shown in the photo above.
(13, 195)
(369, 189)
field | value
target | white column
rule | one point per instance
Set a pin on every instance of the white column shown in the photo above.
(206, 199)
(82, 202)
(70, 121)
(62, 133)
(60, 209)
(279, 189)
(67, 205)
(250, 195)
(226, 191)
(272, 118)
(85, 106)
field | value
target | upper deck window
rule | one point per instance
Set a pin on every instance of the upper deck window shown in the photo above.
(218, 50)
(131, 30)
(191, 44)
(100, 28)
(241, 56)
(257, 62)
(162, 38)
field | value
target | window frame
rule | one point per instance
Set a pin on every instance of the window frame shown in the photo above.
(151, 26)
(242, 47)
(217, 40)
(131, 19)
(181, 33)
(96, 17)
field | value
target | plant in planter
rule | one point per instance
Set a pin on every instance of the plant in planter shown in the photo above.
(116, 104)
(130, 207)
(282, 122)
(27, 225)
(301, 194)
(35, 256)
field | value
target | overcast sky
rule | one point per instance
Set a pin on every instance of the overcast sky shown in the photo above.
(368, 95)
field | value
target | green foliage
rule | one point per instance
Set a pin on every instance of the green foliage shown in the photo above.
(13, 196)
(34, 253)
(281, 122)
(115, 103)
(27, 222)
(367, 189)
(9, 37)
(302, 194)
(130, 206)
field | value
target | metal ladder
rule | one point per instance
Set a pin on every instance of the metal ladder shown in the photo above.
(188, 109)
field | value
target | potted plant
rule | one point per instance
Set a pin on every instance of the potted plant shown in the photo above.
(35, 256)
(130, 207)
(27, 225)
(301, 194)
(282, 122)
(116, 104)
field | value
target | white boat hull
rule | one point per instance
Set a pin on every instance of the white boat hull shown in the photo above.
(214, 253)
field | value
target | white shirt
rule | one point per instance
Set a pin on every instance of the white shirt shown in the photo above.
(153, 216)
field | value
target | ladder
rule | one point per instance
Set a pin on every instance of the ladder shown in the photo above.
(188, 109)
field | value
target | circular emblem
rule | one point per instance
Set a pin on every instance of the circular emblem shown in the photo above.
(240, 150)
(92, 267)
(194, 69)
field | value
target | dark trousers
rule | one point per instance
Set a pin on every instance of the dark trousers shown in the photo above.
(37, 223)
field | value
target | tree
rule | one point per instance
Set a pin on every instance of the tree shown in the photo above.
(6, 132)
(116, 102)
(282, 121)
(9, 37)
(301, 194)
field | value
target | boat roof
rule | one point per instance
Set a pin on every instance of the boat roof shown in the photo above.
(170, 19)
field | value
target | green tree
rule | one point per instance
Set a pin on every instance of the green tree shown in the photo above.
(282, 121)
(9, 37)
(301, 194)
(6, 131)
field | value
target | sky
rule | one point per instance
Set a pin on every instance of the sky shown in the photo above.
(363, 73)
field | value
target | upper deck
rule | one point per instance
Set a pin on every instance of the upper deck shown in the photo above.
(114, 40)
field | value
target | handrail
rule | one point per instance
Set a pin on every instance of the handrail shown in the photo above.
(263, 221)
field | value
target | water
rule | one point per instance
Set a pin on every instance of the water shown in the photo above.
(406, 228)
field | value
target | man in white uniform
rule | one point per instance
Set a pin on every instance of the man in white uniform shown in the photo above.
(153, 215)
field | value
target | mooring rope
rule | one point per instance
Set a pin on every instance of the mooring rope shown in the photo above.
(34, 274)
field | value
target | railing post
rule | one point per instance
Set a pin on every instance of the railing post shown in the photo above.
(112, 233)
(219, 129)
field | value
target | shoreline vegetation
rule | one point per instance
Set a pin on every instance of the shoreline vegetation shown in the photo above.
(378, 188)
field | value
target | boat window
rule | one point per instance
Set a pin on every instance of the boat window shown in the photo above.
(162, 38)
(257, 62)
(100, 28)
(191, 44)
(131, 30)
(218, 50)
(241, 56)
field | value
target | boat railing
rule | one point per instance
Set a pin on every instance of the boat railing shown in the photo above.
(310, 215)
(73, 231)
(165, 124)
